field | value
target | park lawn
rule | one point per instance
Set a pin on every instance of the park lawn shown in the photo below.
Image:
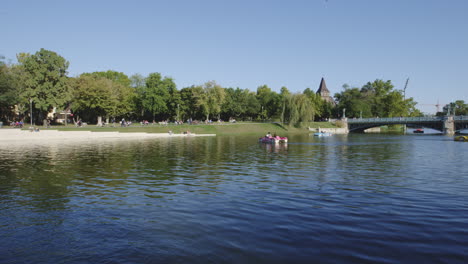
(218, 129)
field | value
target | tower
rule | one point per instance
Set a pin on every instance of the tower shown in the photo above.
(324, 92)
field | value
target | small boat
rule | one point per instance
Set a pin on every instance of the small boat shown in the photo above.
(273, 140)
(322, 134)
(418, 131)
(461, 138)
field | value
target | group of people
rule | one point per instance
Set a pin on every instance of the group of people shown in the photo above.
(34, 129)
(17, 124)
(124, 123)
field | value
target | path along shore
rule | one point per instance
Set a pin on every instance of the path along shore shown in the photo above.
(12, 135)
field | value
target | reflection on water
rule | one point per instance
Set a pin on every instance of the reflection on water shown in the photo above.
(353, 199)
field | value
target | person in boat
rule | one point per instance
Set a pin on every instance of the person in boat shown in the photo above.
(268, 135)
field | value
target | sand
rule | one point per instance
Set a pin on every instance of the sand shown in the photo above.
(18, 135)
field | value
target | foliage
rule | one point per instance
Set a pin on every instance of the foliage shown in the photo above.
(376, 99)
(138, 83)
(98, 96)
(157, 94)
(239, 104)
(44, 79)
(459, 107)
(269, 102)
(118, 77)
(209, 97)
(9, 90)
(188, 107)
(300, 109)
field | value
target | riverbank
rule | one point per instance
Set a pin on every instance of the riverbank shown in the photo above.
(137, 131)
(215, 128)
(21, 135)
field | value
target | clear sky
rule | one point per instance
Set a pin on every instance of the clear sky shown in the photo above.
(248, 43)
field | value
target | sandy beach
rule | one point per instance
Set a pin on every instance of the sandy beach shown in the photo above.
(18, 135)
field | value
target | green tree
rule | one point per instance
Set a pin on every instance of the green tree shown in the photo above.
(459, 107)
(376, 98)
(96, 96)
(115, 76)
(9, 93)
(210, 97)
(269, 101)
(285, 100)
(317, 103)
(138, 83)
(237, 103)
(156, 95)
(188, 106)
(355, 103)
(45, 80)
(92, 96)
(174, 99)
(300, 109)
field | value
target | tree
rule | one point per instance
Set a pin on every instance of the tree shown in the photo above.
(459, 107)
(156, 94)
(138, 83)
(300, 109)
(236, 103)
(285, 99)
(317, 103)
(92, 96)
(9, 93)
(252, 106)
(375, 99)
(355, 103)
(210, 98)
(118, 77)
(188, 106)
(96, 96)
(269, 101)
(174, 100)
(45, 80)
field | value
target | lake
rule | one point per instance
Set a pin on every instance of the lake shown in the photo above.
(358, 198)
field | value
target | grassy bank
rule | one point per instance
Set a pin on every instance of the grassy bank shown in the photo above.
(218, 129)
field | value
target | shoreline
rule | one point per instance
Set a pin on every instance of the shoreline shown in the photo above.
(19, 135)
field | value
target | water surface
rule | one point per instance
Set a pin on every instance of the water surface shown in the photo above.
(340, 199)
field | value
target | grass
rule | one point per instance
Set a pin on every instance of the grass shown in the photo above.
(218, 129)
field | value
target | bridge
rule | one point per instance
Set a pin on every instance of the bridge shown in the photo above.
(445, 124)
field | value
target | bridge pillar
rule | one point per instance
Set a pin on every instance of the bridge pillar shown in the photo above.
(344, 121)
(449, 126)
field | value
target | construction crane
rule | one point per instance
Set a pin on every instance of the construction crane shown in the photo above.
(437, 106)
(404, 90)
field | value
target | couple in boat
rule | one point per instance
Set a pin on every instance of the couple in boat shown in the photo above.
(273, 139)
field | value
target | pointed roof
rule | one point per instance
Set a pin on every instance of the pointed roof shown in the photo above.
(323, 87)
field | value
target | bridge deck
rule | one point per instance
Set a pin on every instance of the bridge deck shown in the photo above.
(405, 119)
(441, 123)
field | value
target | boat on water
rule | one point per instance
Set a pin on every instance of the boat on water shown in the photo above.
(273, 140)
(418, 131)
(322, 134)
(461, 138)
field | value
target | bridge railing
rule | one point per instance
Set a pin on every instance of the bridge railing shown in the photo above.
(395, 119)
(460, 118)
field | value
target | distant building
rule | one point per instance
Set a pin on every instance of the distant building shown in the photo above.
(325, 93)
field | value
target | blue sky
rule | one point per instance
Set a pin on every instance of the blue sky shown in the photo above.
(250, 43)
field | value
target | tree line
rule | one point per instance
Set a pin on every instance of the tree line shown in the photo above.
(38, 83)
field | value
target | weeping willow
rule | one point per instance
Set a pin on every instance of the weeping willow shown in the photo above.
(300, 109)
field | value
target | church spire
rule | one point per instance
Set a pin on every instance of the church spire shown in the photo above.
(323, 90)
